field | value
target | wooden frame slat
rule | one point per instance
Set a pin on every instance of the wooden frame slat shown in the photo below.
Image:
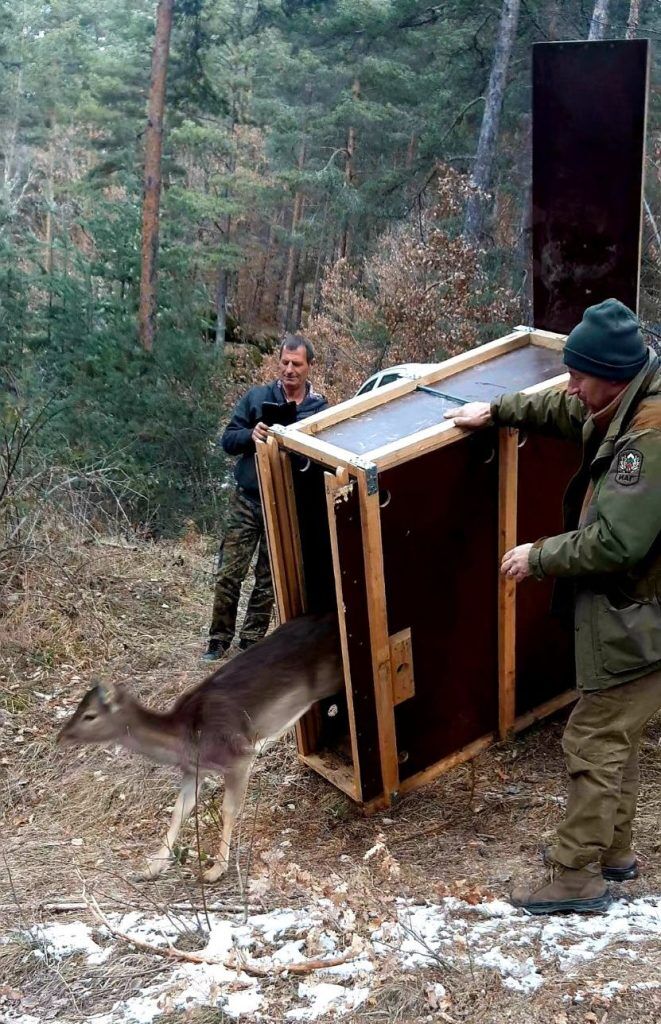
(305, 444)
(292, 515)
(451, 761)
(288, 541)
(339, 774)
(334, 484)
(555, 704)
(307, 727)
(507, 507)
(548, 339)
(272, 526)
(281, 524)
(411, 447)
(370, 515)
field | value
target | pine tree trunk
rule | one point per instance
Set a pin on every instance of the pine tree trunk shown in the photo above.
(486, 146)
(524, 247)
(634, 19)
(322, 252)
(599, 22)
(349, 174)
(152, 175)
(289, 290)
(222, 291)
(299, 301)
(50, 200)
(258, 291)
(224, 274)
(410, 151)
(552, 20)
(292, 255)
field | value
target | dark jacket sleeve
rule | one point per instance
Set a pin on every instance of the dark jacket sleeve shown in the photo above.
(236, 439)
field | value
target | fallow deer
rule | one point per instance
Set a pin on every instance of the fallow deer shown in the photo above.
(220, 725)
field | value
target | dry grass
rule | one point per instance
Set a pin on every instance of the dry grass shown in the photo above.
(138, 613)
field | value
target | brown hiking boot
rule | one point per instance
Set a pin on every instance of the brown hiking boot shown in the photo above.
(619, 865)
(616, 865)
(569, 891)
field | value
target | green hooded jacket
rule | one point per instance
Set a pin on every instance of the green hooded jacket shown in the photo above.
(611, 552)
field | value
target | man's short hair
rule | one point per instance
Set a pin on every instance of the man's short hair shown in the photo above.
(293, 341)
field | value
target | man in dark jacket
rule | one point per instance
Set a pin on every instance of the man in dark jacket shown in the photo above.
(610, 559)
(245, 524)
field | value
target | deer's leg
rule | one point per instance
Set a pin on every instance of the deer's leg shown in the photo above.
(186, 800)
(236, 784)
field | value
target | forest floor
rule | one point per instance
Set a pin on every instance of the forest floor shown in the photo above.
(412, 900)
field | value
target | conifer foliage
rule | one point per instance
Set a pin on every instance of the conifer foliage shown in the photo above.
(315, 168)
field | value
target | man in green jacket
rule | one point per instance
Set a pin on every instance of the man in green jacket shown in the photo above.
(610, 559)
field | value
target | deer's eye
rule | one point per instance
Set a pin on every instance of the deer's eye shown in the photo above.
(89, 716)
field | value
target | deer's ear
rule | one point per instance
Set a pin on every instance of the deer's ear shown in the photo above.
(110, 695)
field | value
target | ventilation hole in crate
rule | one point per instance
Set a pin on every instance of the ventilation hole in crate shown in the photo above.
(385, 498)
(332, 711)
(491, 455)
(403, 756)
(523, 437)
(305, 466)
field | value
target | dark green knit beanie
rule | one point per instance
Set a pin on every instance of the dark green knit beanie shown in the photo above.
(607, 343)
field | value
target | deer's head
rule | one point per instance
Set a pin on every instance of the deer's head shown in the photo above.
(102, 715)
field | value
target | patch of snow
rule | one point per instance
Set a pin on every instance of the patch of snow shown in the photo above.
(492, 935)
(240, 1004)
(519, 975)
(140, 1009)
(495, 931)
(290, 953)
(59, 940)
(351, 969)
(324, 997)
(278, 921)
(609, 990)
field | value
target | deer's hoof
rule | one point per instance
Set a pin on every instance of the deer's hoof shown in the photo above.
(216, 872)
(155, 866)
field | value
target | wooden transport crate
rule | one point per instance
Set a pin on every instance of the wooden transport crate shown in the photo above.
(390, 513)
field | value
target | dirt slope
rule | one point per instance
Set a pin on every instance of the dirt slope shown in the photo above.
(78, 822)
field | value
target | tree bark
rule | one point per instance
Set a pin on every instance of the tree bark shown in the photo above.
(486, 146)
(349, 173)
(265, 261)
(410, 151)
(321, 254)
(292, 255)
(599, 22)
(634, 19)
(298, 306)
(524, 247)
(152, 175)
(222, 291)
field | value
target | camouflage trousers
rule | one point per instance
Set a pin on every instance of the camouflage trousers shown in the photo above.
(244, 532)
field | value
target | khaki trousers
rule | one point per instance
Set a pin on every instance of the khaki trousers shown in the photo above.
(601, 743)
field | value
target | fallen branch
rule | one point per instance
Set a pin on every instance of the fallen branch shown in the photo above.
(239, 964)
(72, 907)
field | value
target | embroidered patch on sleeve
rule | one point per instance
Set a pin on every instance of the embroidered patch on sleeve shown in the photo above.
(629, 465)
